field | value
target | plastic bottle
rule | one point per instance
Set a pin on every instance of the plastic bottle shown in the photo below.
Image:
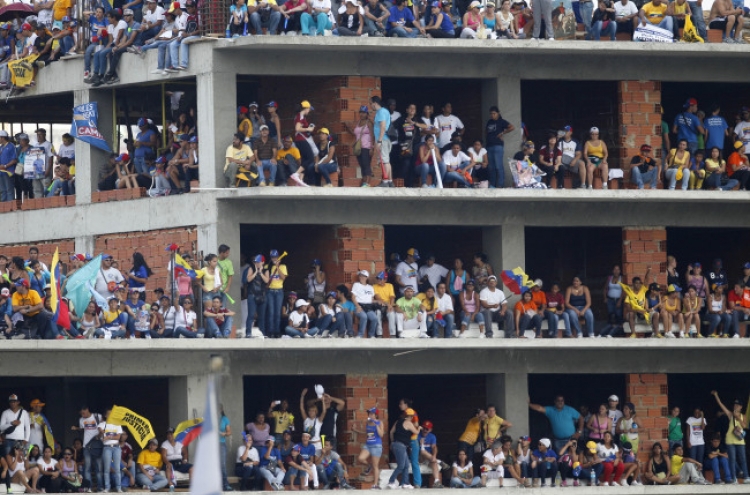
(228, 33)
(593, 477)
(558, 480)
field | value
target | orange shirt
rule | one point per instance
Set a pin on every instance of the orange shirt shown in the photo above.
(734, 162)
(539, 297)
(524, 307)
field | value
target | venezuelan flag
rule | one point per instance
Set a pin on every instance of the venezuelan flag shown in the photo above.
(54, 303)
(516, 280)
(182, 266)
(189, 430)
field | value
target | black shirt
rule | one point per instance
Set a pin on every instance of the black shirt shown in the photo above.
(643, 165)
(329, 422)
(493, 128)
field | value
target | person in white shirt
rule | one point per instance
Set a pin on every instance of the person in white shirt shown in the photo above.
(37, 423)
(407, 270)
(626, 16)
(89, 423)
(447, 124)
(111, 453)
(445, 309)
(695, 441)
(176, 455)
(456, 161)
(495, 308)
(17, 419)
(493, 464)
(299, 321)
(108, 278)
(363, 297)
(614, 414)
(432, 272)
(246, 465)
(185, 319)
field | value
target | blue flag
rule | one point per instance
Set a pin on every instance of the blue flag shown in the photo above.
(206, 478)
(79, 283)
(85, 128)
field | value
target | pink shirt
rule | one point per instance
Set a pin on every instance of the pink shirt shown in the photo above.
(363, 134)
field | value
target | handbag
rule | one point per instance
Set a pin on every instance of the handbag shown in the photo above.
(12, 428)
(357, 148)
(738, 432)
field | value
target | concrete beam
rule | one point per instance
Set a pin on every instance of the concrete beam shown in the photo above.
(505, 246)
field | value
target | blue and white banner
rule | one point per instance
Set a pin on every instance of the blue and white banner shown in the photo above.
(207, 476)
(85, 128)
(649, 32)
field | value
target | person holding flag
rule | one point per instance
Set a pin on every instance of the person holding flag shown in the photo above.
(41, 431)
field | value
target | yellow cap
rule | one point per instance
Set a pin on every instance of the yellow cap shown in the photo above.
(305, 104)
(324, 130)
(738, 145)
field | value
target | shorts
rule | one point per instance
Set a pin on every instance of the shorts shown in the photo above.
(385, 150)
(181, 467)
(718, 24)
(595, 160)
(374, 450)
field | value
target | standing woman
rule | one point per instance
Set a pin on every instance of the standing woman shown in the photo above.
(481, 271)
(363, 134)
(316, 283)
(695, 277)
(275, 295)
(578, 305)
(495, 129)
(257, 279)
(599, 424)
(735, 437)
(673, 277)
(191, 167)
(613, 296)
(401, 434)
(303, 139)
(456, 281)
(22, 185)
(138, 275)
(211, 275)
(273, 122)
(372, 450)
(595, 153)
(225, 430)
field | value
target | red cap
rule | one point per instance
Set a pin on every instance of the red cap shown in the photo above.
(26, 27)
(427, 425)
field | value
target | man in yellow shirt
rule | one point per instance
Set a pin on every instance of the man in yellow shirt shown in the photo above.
(386, 297)
(470, 436)
(655, 13)
(238, 159)
(149, 466)
(635, 305)
(264, 14)
(494, 426)
(27, 302)
(62, 8)
(288, 159)
(687, 469)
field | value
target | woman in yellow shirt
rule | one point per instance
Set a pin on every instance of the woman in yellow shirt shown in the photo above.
(677, 161)
(595, 152)
(716, 169)
(211, 277)
(275, 296)
(246, 126)
(735, 437)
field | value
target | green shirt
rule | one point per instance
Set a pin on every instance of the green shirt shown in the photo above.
(410, 307)
(227, 270)
(674, 431)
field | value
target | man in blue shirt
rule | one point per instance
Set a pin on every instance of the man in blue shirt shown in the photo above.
(8, 162)
(382, 142)
(687, 125)
(566, 422)
(271, 468)
(398, 20)
(716, 130)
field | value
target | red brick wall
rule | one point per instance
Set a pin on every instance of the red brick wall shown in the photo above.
(46, 250)
(151, 245)
(639, 110)
(648, 393)
(644, 247)
(362, 392)
(359, 247)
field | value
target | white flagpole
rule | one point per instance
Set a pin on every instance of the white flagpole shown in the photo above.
(207, 473)
(439, 179)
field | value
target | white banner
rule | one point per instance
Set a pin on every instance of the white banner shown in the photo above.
(649, 32)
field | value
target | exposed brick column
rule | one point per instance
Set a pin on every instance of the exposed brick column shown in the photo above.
(649, 394)
(643, 247)
(362, 393)
(360, 247)
(639, 110)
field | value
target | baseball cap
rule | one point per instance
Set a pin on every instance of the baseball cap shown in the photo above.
(395, 257)
(26, 26)
(272, 104)
(594, 130)
(614, 398)
(127, 12)
(690, 102)
(153, 441)
(332, 294)
(591, 446)
(23, 135)
(22, 283)
(316, 262)
(12, 397)
(194, 139)
(306, 104)
(274, 253)
(190, 3)
(410, 412)
(738, 145)
(297, 448)
(373, 410)
(538, 282)
(696, 265)
(161, 159)
(475, 4)
(492, 277)
(364, 273)
(409, 287)
(674, 288)
(746, 266)
(470, 282)
(545, 442)
(264, 126)
(292, 294)
(37, 402)
(48, 286)
(645, 147)
(253, 104)
(525, 438)
(159, 289)
(170, 430)
(427, 425)
(435, 4)
(300, 303)
(324, 130)
(174, 6)
(627, 446)
(259, 259)
(4, 26)
(123, 158)
(654, 287)
(364, 108)
(528, 144)
(381, 276)
(5, 291)
(568, 128)
(242, 109)
(142, 121)
(413, 252)
(3, 133)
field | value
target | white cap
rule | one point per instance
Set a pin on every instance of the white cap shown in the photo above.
(3, 133)
(614, 398)
(5, 291)
(300, 303)
(594, 129)
(545, 442)
(319, 390)
(538, 282)
(364, 272)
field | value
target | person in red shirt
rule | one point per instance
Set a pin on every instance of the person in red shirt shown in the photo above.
(737, 165)
(218, 319)
(738, 302)
(556, 310)
(550, 161)
(527, 315)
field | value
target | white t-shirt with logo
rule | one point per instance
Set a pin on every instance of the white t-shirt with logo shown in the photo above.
(625, 10)
(252, 456)
(408, 274)
(434, 273)
(447, 125)
(90, 428)
(743, 133)
(153, 17)
(364, 293)
(696, 430)
(111, 433)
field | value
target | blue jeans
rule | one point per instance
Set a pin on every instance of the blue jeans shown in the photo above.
(713, 323)
(322, 22)
(714, 465)
(87, 57)
(552, 321)
(179, 51)
(459, 483)
(188, 334)
(57, 185)
(466, 319)
(66, 44)
(525, 470)
(364, 317)
(164, 58)
(253, 308)
(293, 332)
(737, 459)
(109, 454)
(414, 454)
(272, 24)
(348, 323)
(596, 30)
(402, 463)
(100, 60)
(713, 181)
(223, 460)
(587, 13)
(266, 164)
(588, 316)
(426, 169)
(671, 174)
(544, 469)
(639, 178)
(6, 187)
(274, 298)
(326, 169)
(455, 177)
(667, 24)
(495, 166)
(157, 483)
(696, 452)
(526, 322)
(612, 309)
(215, 330)
(88, 459)
(450, 323)
(139, 163)
(698, 20)
(399, 32)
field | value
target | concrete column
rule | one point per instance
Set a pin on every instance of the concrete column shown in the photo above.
(217, 101)
(505, 92)
(509, 392)
(90, 158)
(86, 244)
(505, 245)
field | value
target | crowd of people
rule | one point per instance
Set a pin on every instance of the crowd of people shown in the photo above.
(427, 301)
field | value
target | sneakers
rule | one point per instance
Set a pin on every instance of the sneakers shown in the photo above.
(394, 485)
(604, 185)
(614, 483)
(407, 487)
(383, 184)
(482, 336)
(605, 483)
(437, 484)
(682, 335)
(113, 79)
(170, 70)
(728, 40)
(157, 71)
(576, 483)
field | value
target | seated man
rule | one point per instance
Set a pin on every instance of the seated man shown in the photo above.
(738, 302)
(655, 13)
(571, 160)
(299, 472)
(331, 468)
(123, 44)
(271, 467)
(410, 314)
(6, 311)
(27, 306)
(493, 464)
(218, 319)
(114, 323)
(717, 458)
(495, 308)
(724, 16)
(428, 452)
(687, 469)
(625, 16)
(246, 467)
(445, 311)
(264, 14)
(363, 296)
(636, 308)
(645, 168)
(239, 159)
(148, 468)
(288, 160)
(456, 161)
(385, 297)
(265, 150)
(546, 462)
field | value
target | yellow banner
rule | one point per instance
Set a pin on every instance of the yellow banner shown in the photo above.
(22, 71)
(139, 426)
